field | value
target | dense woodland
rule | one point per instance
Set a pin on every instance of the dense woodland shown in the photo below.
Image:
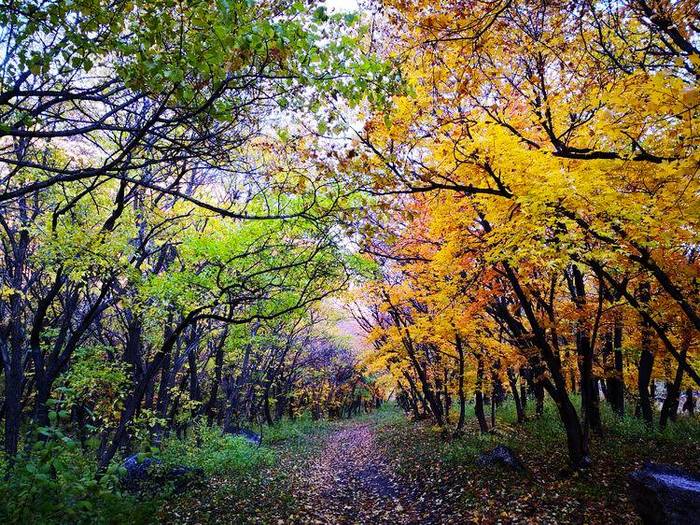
(227, 215)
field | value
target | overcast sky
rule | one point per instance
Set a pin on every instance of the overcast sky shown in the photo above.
(342, 5)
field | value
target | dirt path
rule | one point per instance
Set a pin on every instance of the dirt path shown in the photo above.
(350, 481)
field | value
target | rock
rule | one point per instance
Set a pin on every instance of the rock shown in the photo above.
(182, 477)
(664, 494)
(138, 472)
(250, 436)
(503, 456)
(149, 475)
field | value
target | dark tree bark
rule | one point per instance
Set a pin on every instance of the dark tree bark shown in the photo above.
(11, 346)
(523, 388)
(513, 381)
(460, 384)
(479, 396)
(614, 382)
(689, 405)
(646, 364)
(584, 348)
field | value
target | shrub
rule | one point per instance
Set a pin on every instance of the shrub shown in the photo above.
(291, 430)
(215, 453)
(56, 482)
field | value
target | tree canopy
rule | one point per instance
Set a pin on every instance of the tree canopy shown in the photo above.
(503, 194)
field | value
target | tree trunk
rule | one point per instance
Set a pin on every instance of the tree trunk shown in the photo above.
(460, 387)
(589, 396)
(13, 407)
(669, 410)
(479, 396)
(614, 381)
(646, 365)
(512, 379)
(689, 405)
(446, 396)
(216, 380)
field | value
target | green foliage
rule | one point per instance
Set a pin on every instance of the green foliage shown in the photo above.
(630, 430)
(56, 482)
(95, 379)
(291, 431)
(544, 436)
(546, 433)
(364, 267)
(215, 453)
(179, 48)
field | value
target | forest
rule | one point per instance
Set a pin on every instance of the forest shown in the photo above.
(401, 261)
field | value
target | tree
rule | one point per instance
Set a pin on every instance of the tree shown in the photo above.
(563, 136)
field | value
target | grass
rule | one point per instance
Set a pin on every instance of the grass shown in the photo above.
(297, 431)
(244, 483)
(260, 491)
(444, 468)
(55, 482)
(207, 448)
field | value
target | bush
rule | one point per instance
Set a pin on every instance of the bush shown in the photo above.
(57, 482)
(215, 453)
(294, 430)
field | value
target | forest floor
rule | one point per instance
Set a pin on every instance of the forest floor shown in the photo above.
(350, 480)
(383, 468)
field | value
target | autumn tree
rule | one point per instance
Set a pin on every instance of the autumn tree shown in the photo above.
(563, 133)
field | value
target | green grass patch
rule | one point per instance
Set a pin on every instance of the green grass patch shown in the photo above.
(298, 429)
(215, 453)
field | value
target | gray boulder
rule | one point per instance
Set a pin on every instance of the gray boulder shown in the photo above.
(138, 472)
(667, 495)
(502, 456)
(148, 476)
(250, 436)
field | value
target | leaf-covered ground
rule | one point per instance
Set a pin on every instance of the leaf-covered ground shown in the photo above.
(385, 469)
(351, 481)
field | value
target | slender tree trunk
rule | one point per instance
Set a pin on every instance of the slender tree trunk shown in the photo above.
(689, 405)
(266, 406)
(446, 396)
(460, 385)
(670, 406)
(216, 381)
(669, 410)
(614, 382)
(516, 396)
(646, 365)
(539, 398)
(572, 372)
(13, 407)
(479, 396)
(584, 350)
(523, 388)
(415, 395)
(12, 348)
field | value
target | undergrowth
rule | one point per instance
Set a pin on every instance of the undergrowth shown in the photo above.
(56, 480)
(444, 466)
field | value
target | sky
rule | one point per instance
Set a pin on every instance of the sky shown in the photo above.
(342, 5)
